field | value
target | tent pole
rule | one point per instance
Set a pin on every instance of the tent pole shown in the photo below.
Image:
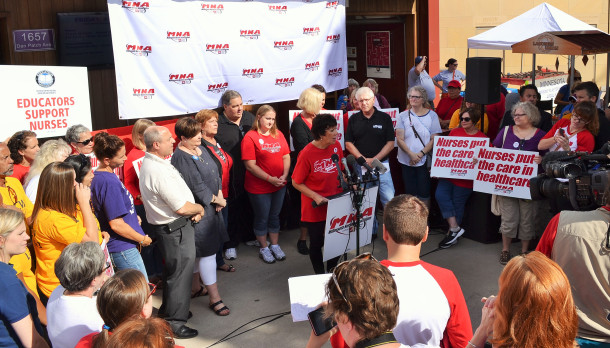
(503, 62)
(534, 69)
(468, 52)
(571, 82)
(607, 96)
(521, 63)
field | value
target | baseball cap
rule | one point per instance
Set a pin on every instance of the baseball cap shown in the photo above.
(418, 59)
(455, 84)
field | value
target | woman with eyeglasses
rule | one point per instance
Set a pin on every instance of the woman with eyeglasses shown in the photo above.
(24, 147)
(534, 307)
(452, 194)
(361, 321)
(51, 151)
(446, 76)
(19, 324)
(201, 175)
(123, 297)
(266, 156)
(518, 215)
(62, 215)
(415, 131)
(80, 139)
(81, 269)
(574, 134)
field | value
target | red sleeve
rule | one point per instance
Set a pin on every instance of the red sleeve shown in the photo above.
(459, 329)
(586, 141)
(337, 341)
(302, 168)
(545, 245)
(284, 143)
(248, 149)
(556, 126)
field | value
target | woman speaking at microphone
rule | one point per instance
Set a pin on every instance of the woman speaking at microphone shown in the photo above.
(315, 176)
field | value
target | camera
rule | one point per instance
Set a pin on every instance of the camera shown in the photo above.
(576, 177)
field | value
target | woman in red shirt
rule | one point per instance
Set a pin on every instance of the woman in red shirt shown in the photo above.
(574, 134)
(266, 156)
(24, 147)
(315, 176)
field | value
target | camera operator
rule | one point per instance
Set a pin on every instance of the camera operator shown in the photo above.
(579, 242)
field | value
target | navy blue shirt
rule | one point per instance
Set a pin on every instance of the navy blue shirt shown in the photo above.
(16, 303)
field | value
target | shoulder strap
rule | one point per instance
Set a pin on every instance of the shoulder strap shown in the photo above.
(504, 136)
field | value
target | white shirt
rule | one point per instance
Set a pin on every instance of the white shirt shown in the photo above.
(163, 190)
(32, 188)
(70, 318)
(425, 126)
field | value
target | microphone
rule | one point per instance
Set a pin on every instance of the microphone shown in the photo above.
(351, 160)
(335, 159)
(362, 161)
(379, 166)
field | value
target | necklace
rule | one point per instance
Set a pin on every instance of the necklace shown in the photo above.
(187, 150)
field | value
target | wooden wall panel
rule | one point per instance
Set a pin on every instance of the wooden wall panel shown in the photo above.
(380, 7)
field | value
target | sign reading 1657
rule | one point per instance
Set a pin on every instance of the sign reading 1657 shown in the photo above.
(34, 40)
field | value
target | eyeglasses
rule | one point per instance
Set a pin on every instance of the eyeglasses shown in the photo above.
(152, 288)
(12, 194)
(364, 256)
(106, 267)
(85, 142)
(578, 119)
(415, 97)
(455, 64)
(365, 100)
(519, 115)
(467, 119)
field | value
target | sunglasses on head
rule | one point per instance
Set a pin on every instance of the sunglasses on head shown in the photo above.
(151, 289)
(364, 256)
(85, 142)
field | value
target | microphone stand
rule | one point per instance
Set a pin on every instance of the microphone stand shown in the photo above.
(357, 190)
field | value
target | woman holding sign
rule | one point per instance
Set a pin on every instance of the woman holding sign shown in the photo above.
(415, 130)
(315, 177)
(452, 194)
(518, 215)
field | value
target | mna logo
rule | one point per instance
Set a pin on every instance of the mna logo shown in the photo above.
(178, 36)
(253, 73)
(212, 8)
(279, 9)
(332, 4)
(136, 6)
(458, 172)
(284, 82)
(333, 38)
(218, 88)
(251, 34)
(144, 93)
(217, 48)
(339, 223)
(311, 31)
(335, 72)
(283, 45)
(312, 66)
(139, 50)
(181, 79)
(503, 188)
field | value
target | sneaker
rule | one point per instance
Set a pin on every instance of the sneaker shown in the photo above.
(451, 239)
(504, 257)
(302, 247)
(265, 255)
(277, 252)
(230, 254)
(253, 243)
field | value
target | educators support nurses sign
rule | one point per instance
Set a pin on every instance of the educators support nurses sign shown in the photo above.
(44, 99)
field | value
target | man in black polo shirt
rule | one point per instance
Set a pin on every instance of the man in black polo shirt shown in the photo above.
(370, 133)
(233, 123)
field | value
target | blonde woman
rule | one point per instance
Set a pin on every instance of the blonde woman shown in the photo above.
(51, 151)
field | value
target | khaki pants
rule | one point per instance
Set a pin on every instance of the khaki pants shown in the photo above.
(518, 216)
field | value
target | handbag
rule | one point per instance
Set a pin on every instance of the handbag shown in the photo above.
(428, 156)
(496, 201)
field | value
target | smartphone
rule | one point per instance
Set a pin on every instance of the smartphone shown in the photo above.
(562, 132)
(319, 324)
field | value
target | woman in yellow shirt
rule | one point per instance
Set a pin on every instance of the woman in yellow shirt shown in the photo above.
(62, 215)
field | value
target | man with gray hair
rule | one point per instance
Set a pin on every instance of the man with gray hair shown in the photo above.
(71, 310)
(370, 134)
(233, 123)
(171, 210)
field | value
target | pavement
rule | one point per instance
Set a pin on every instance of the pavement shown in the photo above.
(257, 293)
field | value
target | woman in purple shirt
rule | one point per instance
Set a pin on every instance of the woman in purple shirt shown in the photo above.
(113, 205)
(518, 215)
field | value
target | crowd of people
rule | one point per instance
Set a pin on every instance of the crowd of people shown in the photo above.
(102, 243)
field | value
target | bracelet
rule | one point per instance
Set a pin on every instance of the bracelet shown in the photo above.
(142, 242)
(423, 153)
(471, 345)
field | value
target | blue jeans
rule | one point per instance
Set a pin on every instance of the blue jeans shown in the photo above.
(452, 199)
(416, 181)
(585, 343)
(129, 258)
(266, 207)
(386, 187)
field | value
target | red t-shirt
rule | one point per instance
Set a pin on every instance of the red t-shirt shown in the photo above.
(19, 172)
(460, 132)
(317, 171)
(132, 182)
(226, 163)
(447, 106)
(581, 141)
(268, 152)
(87, 341)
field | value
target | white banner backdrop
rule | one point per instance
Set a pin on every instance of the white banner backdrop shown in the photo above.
(177, 57)
(44, 99)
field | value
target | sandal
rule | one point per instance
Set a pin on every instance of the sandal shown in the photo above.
(221, 310)
(200, 292)
(229, 268)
